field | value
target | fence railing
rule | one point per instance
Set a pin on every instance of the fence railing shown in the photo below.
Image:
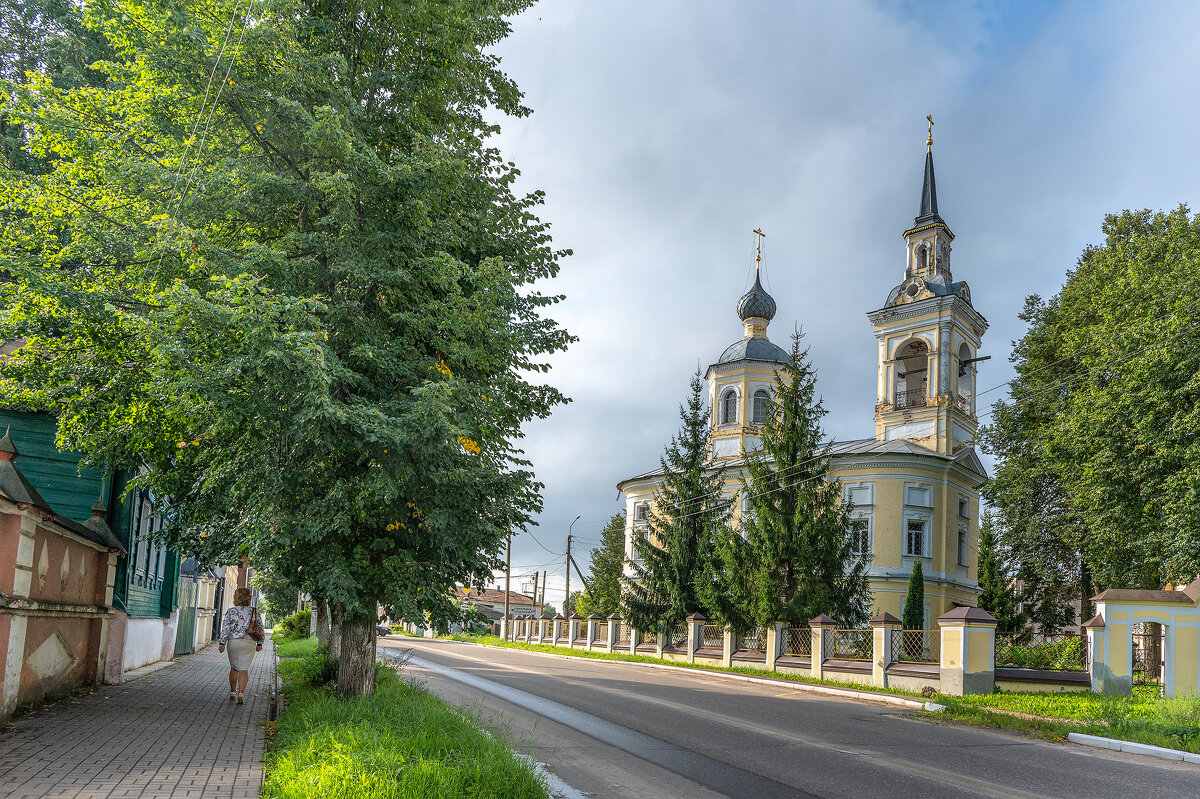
(582, 631)
(917, 646)
(602, 632)
(1028, 650)
(799, 642)
(849, 644)
(678, 636)
(713, 636)
(622, 632)
(913, 398)
(754, 640)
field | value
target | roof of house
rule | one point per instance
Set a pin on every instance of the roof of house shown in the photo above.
(1187, 595)
(492, 596)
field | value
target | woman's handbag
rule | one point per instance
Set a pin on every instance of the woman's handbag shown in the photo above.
(253, 628)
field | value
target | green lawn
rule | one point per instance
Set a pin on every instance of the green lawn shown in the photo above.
(1144, 717)
(295, 647)
(400, 743)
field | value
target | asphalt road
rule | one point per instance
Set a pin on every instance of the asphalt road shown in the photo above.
(624, 730)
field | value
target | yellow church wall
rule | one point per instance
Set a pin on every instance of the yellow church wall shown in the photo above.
(1186, 648)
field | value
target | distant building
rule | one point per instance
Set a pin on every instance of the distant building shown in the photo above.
(915, 485)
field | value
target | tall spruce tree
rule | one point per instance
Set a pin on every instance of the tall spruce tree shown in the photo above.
(914, 601)
(675, 555)
(998, 594)
(791, 558)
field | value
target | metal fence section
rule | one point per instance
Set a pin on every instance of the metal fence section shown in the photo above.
(753, 640)
(849, 644)
(799, 642)
(602, 632)
(714, 636)
(1147, 653)
(1030, 650)
(622, 632)
(678, 636)
(917, 646)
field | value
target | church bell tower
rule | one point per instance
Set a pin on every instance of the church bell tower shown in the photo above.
(929, 336)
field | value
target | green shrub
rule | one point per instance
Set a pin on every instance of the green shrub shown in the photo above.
(295, 626)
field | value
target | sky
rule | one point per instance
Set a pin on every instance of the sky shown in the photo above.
(663, 132)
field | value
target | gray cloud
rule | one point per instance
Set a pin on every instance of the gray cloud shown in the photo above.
(664, 132)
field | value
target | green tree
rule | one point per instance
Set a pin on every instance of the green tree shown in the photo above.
(275, 267)
(914, 600)
(674, 556)
(791, 558)
(1098, 477)
(603, 594)
(998, 595)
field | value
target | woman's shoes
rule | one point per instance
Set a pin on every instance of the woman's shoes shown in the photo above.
(239, 699)
(232, 695)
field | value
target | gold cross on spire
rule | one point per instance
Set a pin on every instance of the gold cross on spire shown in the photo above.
(759, 235)
(929, 141)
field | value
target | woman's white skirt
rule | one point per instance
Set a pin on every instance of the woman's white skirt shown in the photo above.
(241, 653)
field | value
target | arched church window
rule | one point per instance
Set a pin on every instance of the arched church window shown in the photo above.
(761, 404)
(922, 257)
(729, 409)
(912, 374)
(966, 378)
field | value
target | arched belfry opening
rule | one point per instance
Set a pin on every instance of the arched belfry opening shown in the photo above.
(912, 374)
(966, 378)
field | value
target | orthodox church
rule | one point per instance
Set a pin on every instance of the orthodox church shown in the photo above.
(915, 485)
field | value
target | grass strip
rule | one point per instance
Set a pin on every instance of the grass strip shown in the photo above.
(399, 743)
(1144, 717)
(295, 647)
(491, 640)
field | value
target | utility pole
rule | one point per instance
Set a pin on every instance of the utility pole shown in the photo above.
(567, 599)
(537, 610)
(542, 603)
(507, 582)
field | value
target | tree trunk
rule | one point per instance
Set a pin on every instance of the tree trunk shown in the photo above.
(356, 667)
(1086, 591)
(336, 611)
(321, 609)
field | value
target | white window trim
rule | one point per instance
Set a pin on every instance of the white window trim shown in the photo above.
(722, 393)
(922, 515)
(867, 514)
(910, 491)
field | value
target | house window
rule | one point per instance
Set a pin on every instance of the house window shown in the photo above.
(962, 547)
(860, 538)
(729, 407)
(914, 538)
(641, 514)
(761, 402)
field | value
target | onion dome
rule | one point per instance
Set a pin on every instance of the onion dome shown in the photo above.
(756, 303)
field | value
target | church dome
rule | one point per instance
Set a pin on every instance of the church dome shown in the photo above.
(756, 303)
(755, 348)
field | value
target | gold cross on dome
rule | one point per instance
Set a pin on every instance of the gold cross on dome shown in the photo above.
(929, 141)
(759, 235)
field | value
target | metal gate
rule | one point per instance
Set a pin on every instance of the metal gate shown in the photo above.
(185, 633)
(1148, 654)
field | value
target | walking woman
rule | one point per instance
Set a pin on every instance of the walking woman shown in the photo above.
(238, 635)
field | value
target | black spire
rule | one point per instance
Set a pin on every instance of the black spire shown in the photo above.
(929, 210)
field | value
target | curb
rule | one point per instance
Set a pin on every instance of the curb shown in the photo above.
(1132, 748)
(842, 693)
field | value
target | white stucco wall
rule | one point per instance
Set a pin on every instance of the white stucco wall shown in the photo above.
(143, 643)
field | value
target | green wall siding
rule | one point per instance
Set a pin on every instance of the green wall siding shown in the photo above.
(69, 488)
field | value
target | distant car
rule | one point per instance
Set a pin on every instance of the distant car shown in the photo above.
(379, 628)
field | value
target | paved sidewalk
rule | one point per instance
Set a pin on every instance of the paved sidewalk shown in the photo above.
(171, 734)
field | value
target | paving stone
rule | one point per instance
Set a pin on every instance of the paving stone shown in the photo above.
(170, 734)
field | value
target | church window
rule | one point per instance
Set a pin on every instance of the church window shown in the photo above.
(914, 538)
(912, 374)
(729, 407)
(860, 538)
(962, 546)
(966, 378)
(641, 514)
(761, 402)
(964, 507)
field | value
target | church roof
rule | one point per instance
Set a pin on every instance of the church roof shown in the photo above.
(754, 348)
(937, 285)
(929, 210)
(966, 457)
(756, 302)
